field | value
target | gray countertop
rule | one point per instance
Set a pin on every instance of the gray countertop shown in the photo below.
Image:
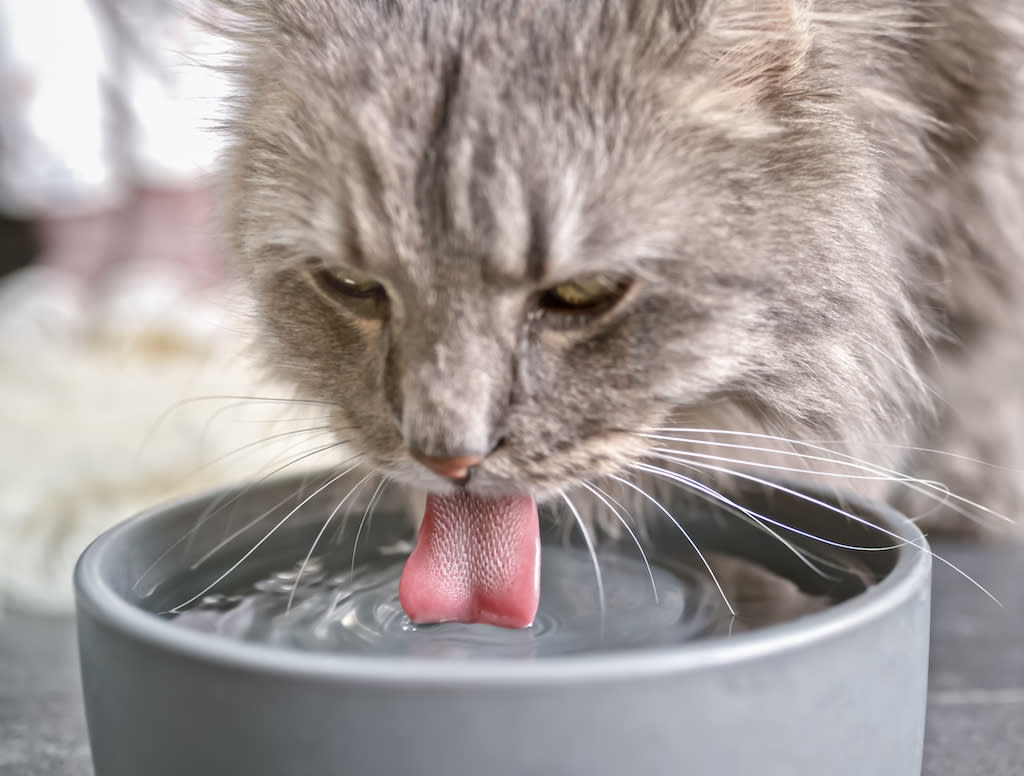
(975, 707)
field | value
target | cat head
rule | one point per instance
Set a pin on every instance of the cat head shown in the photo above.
(532, 232)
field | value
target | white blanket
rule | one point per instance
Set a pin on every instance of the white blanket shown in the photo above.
(110, 406)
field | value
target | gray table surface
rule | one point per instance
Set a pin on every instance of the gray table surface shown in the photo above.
(975, 707)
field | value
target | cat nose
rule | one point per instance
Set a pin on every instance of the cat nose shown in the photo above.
(455, 468)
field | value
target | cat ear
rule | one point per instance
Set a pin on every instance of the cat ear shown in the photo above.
(270, 21)
(757, 47)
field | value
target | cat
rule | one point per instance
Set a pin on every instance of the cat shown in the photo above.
(518, 245)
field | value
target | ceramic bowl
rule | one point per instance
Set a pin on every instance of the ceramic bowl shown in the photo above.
(840, 691)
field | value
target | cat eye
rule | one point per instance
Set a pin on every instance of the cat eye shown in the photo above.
(591, 295)
(346, 285)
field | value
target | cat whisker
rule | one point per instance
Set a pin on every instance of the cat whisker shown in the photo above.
(279, 419)
(878, 475)
(253, 399)
(813, 561)
(832, 457)
(367, 515)
(683, 531)
(319, 536)
(239, 401)
(607, 500)
(939, 492)
(311, 430)
(223, 501)
(589, 541)
(219, 505)
(212, 551)
(763, 522)
(822, 446)
(927, 488)
(258, 544)
(844, 513)
(760, 519)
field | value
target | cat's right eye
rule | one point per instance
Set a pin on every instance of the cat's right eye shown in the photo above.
(586, 296)
(348, 286)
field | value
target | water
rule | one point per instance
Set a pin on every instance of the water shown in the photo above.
(331, 608)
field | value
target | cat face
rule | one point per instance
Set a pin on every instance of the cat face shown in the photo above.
(534, 236)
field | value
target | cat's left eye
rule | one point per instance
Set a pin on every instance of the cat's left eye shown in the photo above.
(591, 294)
(345, 284)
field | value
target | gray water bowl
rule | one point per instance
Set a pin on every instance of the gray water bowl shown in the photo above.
(840, 691)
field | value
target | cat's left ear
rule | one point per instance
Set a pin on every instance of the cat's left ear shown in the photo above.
(280, 23)
(759, 48)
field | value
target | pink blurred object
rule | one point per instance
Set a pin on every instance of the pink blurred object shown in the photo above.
(157, 227)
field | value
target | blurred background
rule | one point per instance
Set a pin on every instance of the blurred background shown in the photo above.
(126, 376)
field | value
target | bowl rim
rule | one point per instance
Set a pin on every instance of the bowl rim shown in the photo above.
(96, 598)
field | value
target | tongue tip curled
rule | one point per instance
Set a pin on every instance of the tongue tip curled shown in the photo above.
(477, 560)
(426, 610)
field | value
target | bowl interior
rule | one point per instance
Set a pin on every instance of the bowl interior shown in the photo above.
(228, 541)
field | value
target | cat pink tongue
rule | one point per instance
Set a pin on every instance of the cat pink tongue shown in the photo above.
(477, 560)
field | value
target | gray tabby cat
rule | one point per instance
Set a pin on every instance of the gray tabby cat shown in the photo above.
(513, 242)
